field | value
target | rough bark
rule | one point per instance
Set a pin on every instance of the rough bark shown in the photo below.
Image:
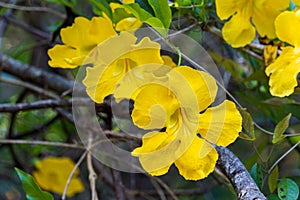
(35, 75)
(238, 175)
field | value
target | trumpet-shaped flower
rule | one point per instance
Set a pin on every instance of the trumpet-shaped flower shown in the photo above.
(239, 31)
(176, 106)
(284, 70)
(52, 175)
(113, 61)
(79, 40)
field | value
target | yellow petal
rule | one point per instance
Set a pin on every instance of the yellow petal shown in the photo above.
(227, 8)
(86, 34)
(287, 25)
(203, 86)
(264, 15)
(128, 1)
(52, 175)
(129, 23)
(238, 31)
(65, 57)
(112, 61)
(153, 107)
(114, 6)
(220, 124)
(100, 30)
(297, 2)
(191, 166)
(153, 149)
(283, 72)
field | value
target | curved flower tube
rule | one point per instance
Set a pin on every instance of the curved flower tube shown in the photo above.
(288, 63)
(79, 40)
(171, 106)
(239, 31)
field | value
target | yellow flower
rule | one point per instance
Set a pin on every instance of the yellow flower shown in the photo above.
(79, 40)
(175, 106)
(284, 70)
(239, 31)
(113, 61)
(52, 174)
(127, 23)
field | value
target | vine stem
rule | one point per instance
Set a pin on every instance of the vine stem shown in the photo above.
(72, 174)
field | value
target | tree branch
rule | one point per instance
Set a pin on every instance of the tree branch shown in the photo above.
(238, 175)
(49, 103)
(35, 75)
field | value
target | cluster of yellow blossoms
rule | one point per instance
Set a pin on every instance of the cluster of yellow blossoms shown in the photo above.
(137, 70)
(174, 99)
(269, 19)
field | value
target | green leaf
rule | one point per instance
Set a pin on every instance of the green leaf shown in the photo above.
(273, 197)
(280, 129)
(248, 126)
(273, 179)
(287, 189)
(145, 5)
(31, 188)
(100, 6)
(119, 14)
(257, 175)
(146, 17)
(162, 11)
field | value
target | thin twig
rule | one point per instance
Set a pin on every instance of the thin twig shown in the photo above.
(92, 176)
(35, 75)
(33, 9)
(282, 157)
(29, 86)
(165, 186)
(72, 174)
(27, 27)
(46, 143)
(44, 104)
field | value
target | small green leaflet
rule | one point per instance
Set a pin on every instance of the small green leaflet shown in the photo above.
(273, 179)
(280, 129)
(162, 11)
(257, 175)
(248, 126)
(146, 17)
(287, 189)
(31, 188)
(100, 6)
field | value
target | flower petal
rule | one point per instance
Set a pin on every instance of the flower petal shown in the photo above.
(238, 31)
(154, 158)
(52, 174)
(264, 15)
(287, 24)
(226, 8)
(203, 86)
(153, 107)
(86, 34)
(194, 167)
(220, 124)
(297, 2)
(65, 57)
(112, 61)
(129, 23)
(283, 72)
